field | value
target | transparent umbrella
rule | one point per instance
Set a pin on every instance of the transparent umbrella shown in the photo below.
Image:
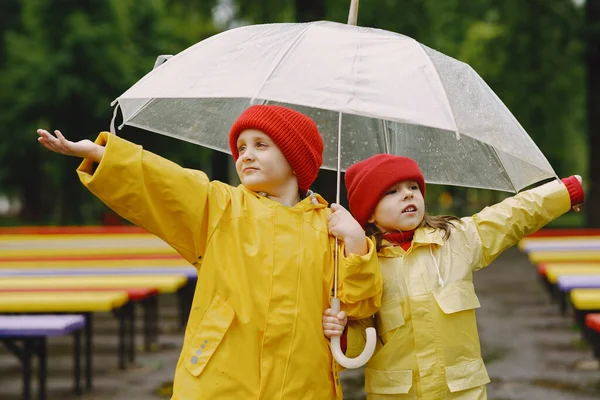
(370, 91)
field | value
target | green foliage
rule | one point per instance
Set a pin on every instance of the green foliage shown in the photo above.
(62, 62)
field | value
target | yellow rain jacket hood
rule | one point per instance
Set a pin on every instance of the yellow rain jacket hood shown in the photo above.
(265, 276)
(429, 345)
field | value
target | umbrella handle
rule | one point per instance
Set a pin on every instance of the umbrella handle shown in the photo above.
(336, 349)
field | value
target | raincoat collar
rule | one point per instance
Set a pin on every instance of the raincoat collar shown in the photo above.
(310, 202)
(422, 237)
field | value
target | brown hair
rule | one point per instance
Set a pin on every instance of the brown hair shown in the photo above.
(443, 222)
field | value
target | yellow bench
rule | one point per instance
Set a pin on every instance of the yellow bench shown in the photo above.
(538, 257)
(67, 302)
(71, 302)
(40, 247)
(586, 299)
(553, 271)
(163, 283)
(115, 263)
(584, 302)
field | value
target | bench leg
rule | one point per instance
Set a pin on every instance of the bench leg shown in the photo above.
(121, 313)
(562, 302)
(25, 355)
(26, 360)
(154, 318)
(42, 366)
(546, 283)
(131, 309)
(150, 306)
(77, 361)
(147, 321)
(88, 351)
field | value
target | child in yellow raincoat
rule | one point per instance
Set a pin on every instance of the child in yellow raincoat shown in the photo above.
(429, 344)
(263, 252)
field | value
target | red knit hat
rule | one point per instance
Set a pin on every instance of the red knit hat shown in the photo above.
(294, 133)
(367, 181)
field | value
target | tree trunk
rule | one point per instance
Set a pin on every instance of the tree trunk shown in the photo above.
(592, 12)
(310, 10)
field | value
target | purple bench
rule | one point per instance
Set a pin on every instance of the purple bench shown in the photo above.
(566, 283)
(26, 337)
(568, 245)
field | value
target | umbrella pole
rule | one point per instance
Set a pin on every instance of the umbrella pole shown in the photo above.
(352, 20)
(336, 349)
(353, 14)
(337, 200)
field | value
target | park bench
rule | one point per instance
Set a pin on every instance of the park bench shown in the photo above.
(26, 337)
(555, 270)
(132, 283)
(566, 283)
(72, 302)
(537, 257)
(185, 293)
(584, 302)
(560, 244)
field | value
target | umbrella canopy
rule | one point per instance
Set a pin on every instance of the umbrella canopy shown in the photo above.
(396, 96)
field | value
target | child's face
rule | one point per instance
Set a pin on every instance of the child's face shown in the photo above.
(401, 208)
(261, 166)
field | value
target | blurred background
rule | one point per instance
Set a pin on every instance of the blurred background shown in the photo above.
(63, 61)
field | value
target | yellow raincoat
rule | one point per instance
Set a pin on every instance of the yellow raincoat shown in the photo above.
(429, 345)
(265, 275)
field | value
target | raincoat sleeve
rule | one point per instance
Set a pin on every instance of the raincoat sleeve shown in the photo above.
(359, 282)
(181, 206)
(501, 226)
(357, 337)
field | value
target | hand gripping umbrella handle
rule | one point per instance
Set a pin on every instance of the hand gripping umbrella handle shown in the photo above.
(336, 349)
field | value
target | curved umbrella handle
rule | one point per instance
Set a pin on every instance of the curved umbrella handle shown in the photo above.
(336, 349)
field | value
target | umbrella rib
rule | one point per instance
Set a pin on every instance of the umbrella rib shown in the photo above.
(504, 168)
(279, 60)
(126, 121)
(386, 139)
(437, 74)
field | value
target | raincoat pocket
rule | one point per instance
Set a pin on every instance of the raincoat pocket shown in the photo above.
(387, 382)
(390, 317)
(208, 335)
(457, 296)
(466, 375)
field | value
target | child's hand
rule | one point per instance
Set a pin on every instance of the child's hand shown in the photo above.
(59, 144)
(343, 226)
(333, 325)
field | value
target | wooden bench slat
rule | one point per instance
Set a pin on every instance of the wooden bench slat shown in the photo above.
(45, 302)
(537, 257)
(164, 283)
(39, 325)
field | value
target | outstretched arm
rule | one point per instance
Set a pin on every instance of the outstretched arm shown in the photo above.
(179, 205)
(59, 144)
(502, 225)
